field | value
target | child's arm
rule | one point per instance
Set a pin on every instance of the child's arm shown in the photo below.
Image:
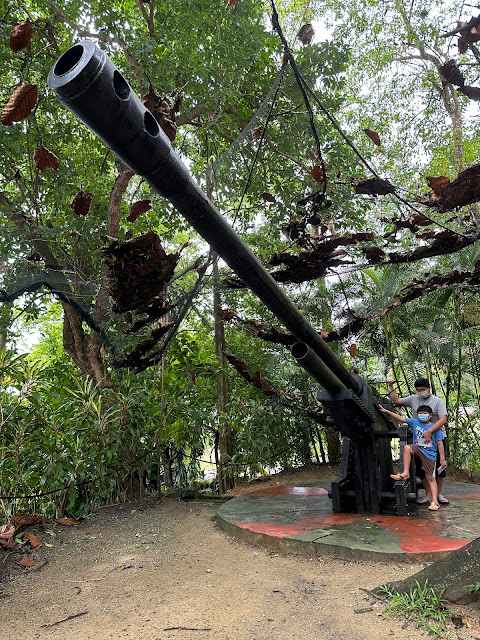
(397, 416)
(441, 452)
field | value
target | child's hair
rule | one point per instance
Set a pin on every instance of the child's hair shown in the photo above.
(424, 408)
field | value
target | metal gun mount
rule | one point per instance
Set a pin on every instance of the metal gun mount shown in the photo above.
(86, 81)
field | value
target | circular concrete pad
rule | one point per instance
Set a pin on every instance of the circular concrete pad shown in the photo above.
(299, 519)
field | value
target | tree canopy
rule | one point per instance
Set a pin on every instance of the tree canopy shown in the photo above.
(346, 159)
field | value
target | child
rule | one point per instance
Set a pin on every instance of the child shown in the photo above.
(425, 452)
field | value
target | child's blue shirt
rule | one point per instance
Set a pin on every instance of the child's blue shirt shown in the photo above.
(419, 428)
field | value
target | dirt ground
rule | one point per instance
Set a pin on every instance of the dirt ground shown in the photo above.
(157, 570)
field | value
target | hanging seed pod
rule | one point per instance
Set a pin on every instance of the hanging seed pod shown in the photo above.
(138, 208)
(21, 36)
(21, 102)
(45, 159)
(306, 33)
(268, 197)
(257, 132)
(373, 135)
(81, 203)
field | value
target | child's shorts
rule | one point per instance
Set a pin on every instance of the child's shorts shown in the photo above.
(421, 473)
(428, 466)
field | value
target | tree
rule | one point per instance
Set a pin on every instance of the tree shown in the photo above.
(311, 200)
(449, 575)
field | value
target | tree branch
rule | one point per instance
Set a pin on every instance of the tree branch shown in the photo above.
(148, 17)
(100, 36)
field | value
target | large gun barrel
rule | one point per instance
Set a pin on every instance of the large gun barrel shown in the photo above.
(86, 81)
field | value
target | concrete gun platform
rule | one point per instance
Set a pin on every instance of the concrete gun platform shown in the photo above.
(299, 519)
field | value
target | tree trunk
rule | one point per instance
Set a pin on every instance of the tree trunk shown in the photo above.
(334, 445)
(225, 477)
(320, 445)
(85, 348)
(450, 574)
(167, 463)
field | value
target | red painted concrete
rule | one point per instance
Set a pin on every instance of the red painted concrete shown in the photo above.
(415, 535)
(418, 535)
(459, 496)
(284, 490)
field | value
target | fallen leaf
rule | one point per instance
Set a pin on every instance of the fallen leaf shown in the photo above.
(21, 35)
(461, 191)
(27, 562)
(240, 365)
(373, 135)
(257, 379)
(137, 208)
(471, 92)
(438, 184)
(68, 521)
(7, 531)
(471, 35)
(317, 173)
(373, 254)
(20, 103)
(225, 314)
(28, 519)
(81, 203)
(33, 540)
(452, 73)
(419, 219)
(45, 159)
(10, 544)
(160, 109)
(373, 187)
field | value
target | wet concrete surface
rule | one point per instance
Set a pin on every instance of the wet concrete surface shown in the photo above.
(299, 519)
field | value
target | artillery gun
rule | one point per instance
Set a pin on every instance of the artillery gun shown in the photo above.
(86, 81)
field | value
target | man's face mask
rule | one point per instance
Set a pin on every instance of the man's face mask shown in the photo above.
(423, 417)
(424, 394)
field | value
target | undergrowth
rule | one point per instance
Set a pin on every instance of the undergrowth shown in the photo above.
(422, 606)
(473, 588)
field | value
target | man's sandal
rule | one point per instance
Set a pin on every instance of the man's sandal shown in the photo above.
(424, 501)
(443, 500)
(433, 507)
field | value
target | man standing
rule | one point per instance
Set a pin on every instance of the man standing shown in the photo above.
(424, 396)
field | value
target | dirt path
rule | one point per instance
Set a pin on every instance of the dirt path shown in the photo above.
(158, 570)
(153, 571)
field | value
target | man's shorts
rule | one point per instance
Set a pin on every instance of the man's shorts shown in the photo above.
(421, 473)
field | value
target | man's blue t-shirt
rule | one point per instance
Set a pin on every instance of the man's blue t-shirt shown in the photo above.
(419, 428)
